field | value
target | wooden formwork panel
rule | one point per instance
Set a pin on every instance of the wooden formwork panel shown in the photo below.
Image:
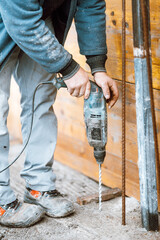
(113, 30)
(74, 150)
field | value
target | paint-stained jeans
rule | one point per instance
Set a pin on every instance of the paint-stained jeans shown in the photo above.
(39, 153)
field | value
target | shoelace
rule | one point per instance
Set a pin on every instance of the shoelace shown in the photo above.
(52, 193)
(13, 205)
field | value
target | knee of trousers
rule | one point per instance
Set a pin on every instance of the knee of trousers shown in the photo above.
(45, 94)
(43, 110)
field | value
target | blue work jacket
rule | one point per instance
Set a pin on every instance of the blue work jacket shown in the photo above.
(21, 24)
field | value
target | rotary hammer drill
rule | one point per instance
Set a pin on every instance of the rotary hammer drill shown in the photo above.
(95, 117)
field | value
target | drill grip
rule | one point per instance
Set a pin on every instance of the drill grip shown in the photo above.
(59, 83)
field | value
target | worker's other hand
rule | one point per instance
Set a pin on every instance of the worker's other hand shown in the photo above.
(79, 84)
(109, 87)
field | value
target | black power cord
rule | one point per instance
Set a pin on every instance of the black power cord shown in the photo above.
(40, 84)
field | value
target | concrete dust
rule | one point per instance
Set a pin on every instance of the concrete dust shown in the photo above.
(87, 223)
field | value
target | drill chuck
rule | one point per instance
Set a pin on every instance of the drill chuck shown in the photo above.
(99, 154)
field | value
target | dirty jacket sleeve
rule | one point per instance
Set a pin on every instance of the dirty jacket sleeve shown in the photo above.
(90, 20)
(22, 20)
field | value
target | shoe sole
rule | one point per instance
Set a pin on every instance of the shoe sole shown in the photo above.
(61, 216)
(19, 225)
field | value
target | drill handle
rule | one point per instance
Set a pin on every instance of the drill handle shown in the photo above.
(58, 82)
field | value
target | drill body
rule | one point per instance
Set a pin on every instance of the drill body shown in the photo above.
(95, 116)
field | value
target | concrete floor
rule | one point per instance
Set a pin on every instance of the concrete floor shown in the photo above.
(87, 223)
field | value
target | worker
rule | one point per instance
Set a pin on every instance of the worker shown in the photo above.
(32, 36)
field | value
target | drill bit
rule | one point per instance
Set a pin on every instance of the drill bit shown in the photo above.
(100, 188)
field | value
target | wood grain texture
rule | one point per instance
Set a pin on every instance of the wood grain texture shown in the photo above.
(74, 150)
(114, 66)
(113, 30)
(106, 195)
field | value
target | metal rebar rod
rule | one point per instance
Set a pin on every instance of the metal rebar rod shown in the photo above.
(123, 107)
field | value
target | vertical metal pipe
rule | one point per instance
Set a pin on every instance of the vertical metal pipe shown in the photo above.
(145, 119)
(123, 109)
(147, 42)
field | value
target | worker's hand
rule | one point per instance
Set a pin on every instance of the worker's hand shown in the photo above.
(109, 87)
(79, 84)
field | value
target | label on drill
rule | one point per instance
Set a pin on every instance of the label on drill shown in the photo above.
(96, 134)
(94, 131)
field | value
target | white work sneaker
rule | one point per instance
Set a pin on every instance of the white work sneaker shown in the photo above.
(18, 214)
(54, 204)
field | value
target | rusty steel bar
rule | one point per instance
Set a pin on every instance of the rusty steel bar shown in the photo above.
(123, 110)
(144, 111)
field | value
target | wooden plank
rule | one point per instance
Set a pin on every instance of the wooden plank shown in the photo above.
(90, 169)
(111, 162)
(113, 64)
(106, 195)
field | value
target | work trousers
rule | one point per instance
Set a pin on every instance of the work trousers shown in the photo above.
(37, 172)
